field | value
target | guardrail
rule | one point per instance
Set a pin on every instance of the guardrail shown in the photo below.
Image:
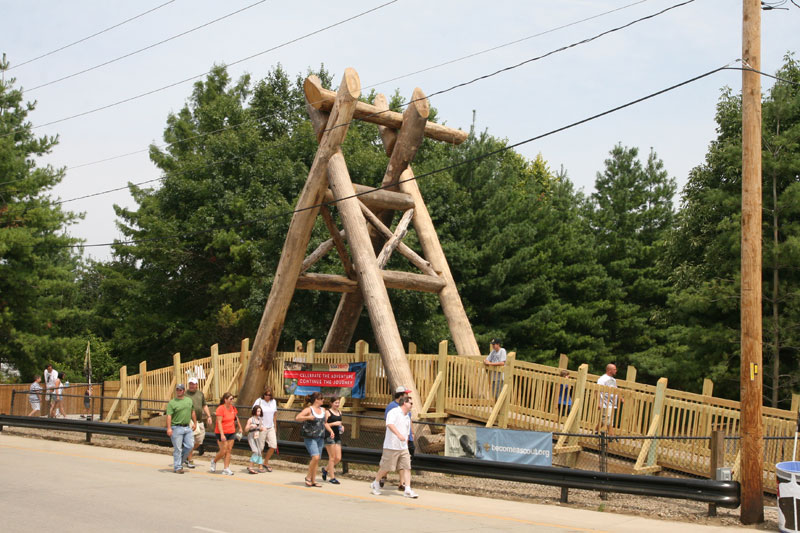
(721, 493)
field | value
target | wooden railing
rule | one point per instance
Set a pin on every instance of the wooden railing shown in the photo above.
(519, 395)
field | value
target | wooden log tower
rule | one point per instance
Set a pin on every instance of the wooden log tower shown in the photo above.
(367, 221)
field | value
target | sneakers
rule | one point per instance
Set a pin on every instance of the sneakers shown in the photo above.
(201, 450)
(227, 472)
(324, 474)
(189, 464)
(382, 481)
(376, 488)
(334, 481)
(178, 471)
(408, 493)
(213, 467)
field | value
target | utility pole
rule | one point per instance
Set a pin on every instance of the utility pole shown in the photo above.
(752, 431)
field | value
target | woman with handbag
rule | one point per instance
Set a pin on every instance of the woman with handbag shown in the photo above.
(313, 418)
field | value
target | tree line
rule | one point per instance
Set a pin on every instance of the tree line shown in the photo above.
(629, 273)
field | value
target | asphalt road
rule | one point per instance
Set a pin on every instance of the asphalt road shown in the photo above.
(64, 487)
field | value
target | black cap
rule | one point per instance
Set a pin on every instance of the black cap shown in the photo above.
(496, 341)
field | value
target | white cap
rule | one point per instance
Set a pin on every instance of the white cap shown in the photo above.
(400, 389)
(193, 380)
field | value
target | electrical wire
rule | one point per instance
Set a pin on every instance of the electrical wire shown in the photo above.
(51, 52)
(168, 39)
(182, 236)
(185, 80)
(435, 93)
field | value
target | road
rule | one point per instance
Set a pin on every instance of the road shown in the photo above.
(65, 487)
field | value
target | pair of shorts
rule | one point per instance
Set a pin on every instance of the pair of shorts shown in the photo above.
(228, 436)
(607, 416)
(314, 446)
(393, 460)
(268, 437)
(199, 433)
(35, 406)
(329, 441)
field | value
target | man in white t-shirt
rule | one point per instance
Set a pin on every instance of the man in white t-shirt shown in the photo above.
(496, 359)
(607, 401)
(395, 456)
(50, 377)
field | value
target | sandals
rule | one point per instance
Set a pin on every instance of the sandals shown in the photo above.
(252, 471)
(269, 469)
(310, 483)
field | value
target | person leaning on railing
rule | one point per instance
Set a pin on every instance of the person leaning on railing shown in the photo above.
(496, 358)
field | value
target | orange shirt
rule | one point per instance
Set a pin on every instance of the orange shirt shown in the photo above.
(228, 418)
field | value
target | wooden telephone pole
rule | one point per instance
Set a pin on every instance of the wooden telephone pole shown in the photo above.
(752, 431)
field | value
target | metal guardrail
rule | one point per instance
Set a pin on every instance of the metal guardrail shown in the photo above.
(721, 493)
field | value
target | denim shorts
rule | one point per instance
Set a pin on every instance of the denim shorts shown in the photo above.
(314, 446)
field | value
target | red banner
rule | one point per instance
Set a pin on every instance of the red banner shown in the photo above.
(314, 378)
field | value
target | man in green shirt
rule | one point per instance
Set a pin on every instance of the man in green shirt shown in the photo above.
(203, 415)
(181, 422)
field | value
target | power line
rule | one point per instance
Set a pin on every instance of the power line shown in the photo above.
(168, 39)
(153, 91)
(410, 102)
(51, 52)
(481, 157)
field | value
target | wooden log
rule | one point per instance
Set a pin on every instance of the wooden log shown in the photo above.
(411, 136)
(404, 250)
(379, 198)
(371, 282)
(454, 312)
(320, 252)
(393, 279)
(395, 240)
(336, 235)
(266, 340)
(323, 99)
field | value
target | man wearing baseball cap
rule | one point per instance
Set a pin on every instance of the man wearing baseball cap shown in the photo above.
(496, 358)
(202, 414)
(399, 392)
(181, 421)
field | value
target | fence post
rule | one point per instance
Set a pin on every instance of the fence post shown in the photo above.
(215, 368)
(717, 461)
(310, 351)
(708, 387)
(361, 354)
(176, 369)
(563, 361)
(658, 415)
(412, 348)
(508, 380)
(143, 381)
(123, 386)
(441, 394)
(795, 403)
(630, 375)
(244, 360)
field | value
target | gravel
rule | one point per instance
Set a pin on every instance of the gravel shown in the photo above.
(656, 508)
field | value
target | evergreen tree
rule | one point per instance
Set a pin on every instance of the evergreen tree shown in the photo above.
(704, 252)
(631, 209)
(41, 319)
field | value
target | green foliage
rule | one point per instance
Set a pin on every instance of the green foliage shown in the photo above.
(41, 316)
(703, 256)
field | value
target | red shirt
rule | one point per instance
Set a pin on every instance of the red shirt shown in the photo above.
(228, 418)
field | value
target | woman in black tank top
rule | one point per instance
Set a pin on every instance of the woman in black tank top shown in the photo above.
(334, 427)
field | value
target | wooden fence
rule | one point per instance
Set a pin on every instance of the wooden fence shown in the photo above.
(519, 395)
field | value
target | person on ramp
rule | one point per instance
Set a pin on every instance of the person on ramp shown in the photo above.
(395, 455)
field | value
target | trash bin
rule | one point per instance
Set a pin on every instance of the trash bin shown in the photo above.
(788, 477)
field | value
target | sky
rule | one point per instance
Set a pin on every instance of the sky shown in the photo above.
(401, 38)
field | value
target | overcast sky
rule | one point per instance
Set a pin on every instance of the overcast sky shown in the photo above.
(398, 39)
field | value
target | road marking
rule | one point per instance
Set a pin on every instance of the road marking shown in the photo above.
(404, 503)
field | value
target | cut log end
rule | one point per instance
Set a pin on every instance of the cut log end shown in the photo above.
(312, 87)
(419, 104)
(352, 83)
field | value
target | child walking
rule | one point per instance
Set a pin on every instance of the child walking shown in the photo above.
(254, 427)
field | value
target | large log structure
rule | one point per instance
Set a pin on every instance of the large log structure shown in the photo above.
(366, 215)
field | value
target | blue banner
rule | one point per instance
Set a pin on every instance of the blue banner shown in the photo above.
(490, 444)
